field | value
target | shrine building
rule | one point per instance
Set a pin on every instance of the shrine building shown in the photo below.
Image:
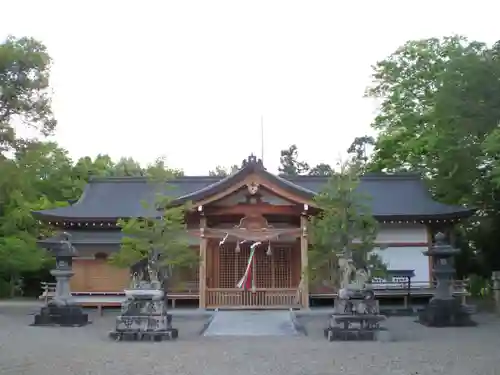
(230, 215)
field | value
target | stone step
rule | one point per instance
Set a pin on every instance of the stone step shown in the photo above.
(251, 323)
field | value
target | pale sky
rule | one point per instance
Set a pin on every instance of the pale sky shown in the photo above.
(190, 80)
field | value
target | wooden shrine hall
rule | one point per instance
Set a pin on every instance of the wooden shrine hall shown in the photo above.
(250, 229)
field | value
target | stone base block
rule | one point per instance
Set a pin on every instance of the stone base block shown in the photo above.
(354, 334)
(144, 327)
(356, 306)
(149, 322)
(445, 313)
(346, 322)
(66, 316)
(169, 334)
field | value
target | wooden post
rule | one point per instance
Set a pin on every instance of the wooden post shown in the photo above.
(495, 277)
(203, 263)
(430, 260)
(304, 260)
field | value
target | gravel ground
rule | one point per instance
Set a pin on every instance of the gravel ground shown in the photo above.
(87, 350)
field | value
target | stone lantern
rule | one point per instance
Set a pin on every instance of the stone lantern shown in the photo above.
(444, 310)
(62, 310)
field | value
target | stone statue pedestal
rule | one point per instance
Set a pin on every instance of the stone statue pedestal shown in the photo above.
(356, 318)
(144, 317)
(61, 311)
(356, 328)
(355, 306)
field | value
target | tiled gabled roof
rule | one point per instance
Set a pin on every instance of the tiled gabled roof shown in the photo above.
(391, 196)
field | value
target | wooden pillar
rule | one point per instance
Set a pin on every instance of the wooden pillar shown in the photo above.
(304, 260)
(495, 277)
(430, 260)
(203, 263)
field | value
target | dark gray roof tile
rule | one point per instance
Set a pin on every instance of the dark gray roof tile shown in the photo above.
(399, 196)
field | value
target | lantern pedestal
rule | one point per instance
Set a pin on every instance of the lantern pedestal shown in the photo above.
(443, 309)
(61, 311)
(64, 316)
(445, 313)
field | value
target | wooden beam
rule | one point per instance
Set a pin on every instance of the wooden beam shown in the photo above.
(430, 260)
(304, 260)
(203, 263)
(249, 209)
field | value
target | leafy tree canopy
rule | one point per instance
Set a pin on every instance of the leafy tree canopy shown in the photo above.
(358, 151)
(321, 169)
(165, 235)
(439, 115)
(220, 171)
(344, 224)
(24, 90)
(289, 163)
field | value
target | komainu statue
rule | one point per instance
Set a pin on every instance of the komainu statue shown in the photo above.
(353, 281)
(144, 313)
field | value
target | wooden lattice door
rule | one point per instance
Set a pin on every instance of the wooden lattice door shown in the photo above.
(272, 271)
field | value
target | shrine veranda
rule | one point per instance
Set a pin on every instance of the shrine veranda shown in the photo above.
(233, 213)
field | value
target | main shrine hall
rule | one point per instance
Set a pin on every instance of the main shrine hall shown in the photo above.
(229, 216)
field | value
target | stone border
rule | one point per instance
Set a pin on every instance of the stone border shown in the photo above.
(299, 327)
(208, 322)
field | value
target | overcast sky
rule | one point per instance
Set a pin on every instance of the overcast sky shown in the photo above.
(190, 80)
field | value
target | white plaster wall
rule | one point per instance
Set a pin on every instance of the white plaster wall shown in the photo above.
(406, 258)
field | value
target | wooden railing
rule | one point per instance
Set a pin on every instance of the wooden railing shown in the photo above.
(458, 285)
(48, 291)
(260, 298)
(392, 288)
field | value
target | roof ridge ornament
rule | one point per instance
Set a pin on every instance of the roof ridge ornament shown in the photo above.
(252, 161)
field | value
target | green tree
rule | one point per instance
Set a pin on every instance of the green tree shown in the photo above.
(407, 84)
(127, 166)
(321, 169)
(165, 236)
(38, 177)
(220, 171)
(33, 174)
(47, 170)
(439, 116)
(101, 166)
(344, 223)
(290, 164)
(358, 150)
(24, 90)
(160, 171)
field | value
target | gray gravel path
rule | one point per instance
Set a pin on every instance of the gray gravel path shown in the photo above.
(419, 350)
